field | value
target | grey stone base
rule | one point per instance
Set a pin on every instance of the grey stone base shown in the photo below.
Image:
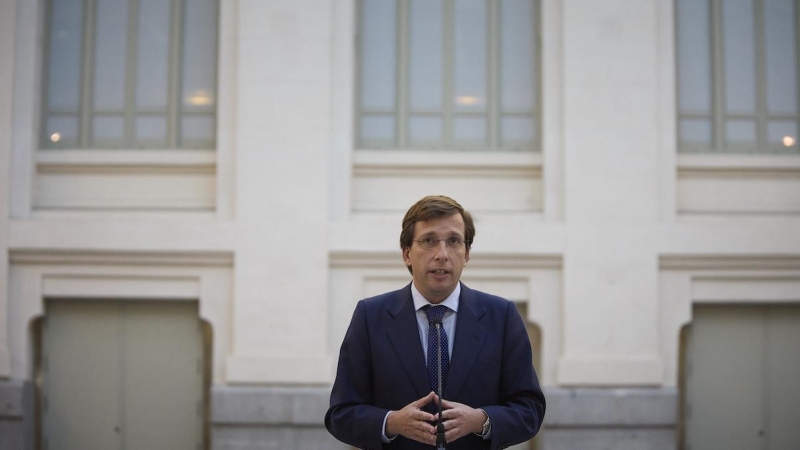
(247, 418)
(16, 415)
(607, 439)
(285, 437)
(618, 419)
(244, 418)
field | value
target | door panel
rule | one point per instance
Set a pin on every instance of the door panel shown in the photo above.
(725, 378)
(743, 378)
(163, 387)
(81, 377)
(122, 375)
(783, 350)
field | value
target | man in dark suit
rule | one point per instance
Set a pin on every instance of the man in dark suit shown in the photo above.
(386, 385)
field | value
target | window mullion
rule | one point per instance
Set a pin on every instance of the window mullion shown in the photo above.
(359, 63)
(44, 139)
(537, 87)
(448, 79)
(173, 88)
(401, 126)
(493, 74)
(87, 73)
(797, 68)
(717, 68)
(761, 76)
(130, 73)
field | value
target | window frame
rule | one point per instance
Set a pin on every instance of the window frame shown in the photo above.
(717, 115)
(174, 112)
(448, 110)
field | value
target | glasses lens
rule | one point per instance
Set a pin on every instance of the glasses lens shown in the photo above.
(452, 243)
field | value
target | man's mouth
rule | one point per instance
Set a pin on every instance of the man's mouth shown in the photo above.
(440, 271)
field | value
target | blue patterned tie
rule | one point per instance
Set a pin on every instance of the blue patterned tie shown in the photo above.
(435, 314)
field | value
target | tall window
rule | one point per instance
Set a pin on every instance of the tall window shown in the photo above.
(130, 74)
(738, 76)
(448, 74)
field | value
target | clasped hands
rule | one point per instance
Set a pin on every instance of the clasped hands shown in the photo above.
(414, 423)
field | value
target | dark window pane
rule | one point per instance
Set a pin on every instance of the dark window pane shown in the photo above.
(111, 50)
(61, 131)
(64, 64)
(425, 128)
(739, 55)
(695, 132)
(378, 54)
(470, 55)
(740, 132)
(199, 54)
(152, 60)
(515, 129)
(470, 128)
(108, 128)
(198, 128)
(517, 55)
(781, 57)
(151, 129)
(377, 128)
(426, 53)
(694, 56)
(782, 133)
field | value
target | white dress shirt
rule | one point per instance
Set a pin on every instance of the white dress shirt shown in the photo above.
(448, 322)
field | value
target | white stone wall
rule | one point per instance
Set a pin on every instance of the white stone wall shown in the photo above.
(608, 235)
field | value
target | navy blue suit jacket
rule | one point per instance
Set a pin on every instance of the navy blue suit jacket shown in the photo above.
(382, 367)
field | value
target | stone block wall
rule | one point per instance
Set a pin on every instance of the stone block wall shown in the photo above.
(16, 415)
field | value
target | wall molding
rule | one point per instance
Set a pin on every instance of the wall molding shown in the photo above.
(37, 275)
(738, 184)
(534, 280)
(128, 258)
(63, 159)
(480, 260)
(488, 182)
(446, 163)
(730, 262)
(685, 281)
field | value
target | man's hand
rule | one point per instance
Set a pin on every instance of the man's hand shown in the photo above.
(412, 422)
(460, 420)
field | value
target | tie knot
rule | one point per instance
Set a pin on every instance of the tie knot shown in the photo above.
(435, 313)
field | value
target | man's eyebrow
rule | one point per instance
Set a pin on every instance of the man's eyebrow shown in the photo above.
(449, 234)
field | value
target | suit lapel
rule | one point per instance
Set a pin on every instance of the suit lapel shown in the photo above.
(403, 333)
(469, 339)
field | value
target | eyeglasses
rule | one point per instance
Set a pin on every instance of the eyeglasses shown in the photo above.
(452, 243)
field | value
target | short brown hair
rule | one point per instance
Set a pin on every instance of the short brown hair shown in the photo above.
(435, 207)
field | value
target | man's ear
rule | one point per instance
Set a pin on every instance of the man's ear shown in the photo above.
(466, 257)
(406, 258)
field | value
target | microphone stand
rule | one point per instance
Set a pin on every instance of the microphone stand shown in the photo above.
(439, 425)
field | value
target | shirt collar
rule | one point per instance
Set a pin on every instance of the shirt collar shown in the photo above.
(451, 301)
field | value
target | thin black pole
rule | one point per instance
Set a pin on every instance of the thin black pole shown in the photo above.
(440, 426)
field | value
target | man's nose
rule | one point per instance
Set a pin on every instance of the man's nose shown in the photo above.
(441, 250)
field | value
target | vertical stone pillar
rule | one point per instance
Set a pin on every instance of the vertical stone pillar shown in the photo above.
(283, 139)
(611, 194)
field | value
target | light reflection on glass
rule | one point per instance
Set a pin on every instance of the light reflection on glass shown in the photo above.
(789, 141)
(468, 100)
(200, 98)
(55, 137)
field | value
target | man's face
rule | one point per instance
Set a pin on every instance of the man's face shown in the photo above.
(436, 271)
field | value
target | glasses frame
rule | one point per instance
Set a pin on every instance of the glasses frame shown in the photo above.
(453, 243)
